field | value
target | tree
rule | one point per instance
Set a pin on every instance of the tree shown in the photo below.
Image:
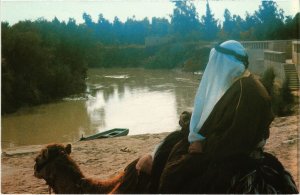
(87, 20)
(118, 30)
(248, 27)
(184, 19)
(210, 25)
(159, 27)
(292, 27)
(232, 26)
(136, 31)
(42, 61)
(270, 21)
(104, 30)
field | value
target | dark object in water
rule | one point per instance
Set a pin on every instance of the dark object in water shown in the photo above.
(107, 134)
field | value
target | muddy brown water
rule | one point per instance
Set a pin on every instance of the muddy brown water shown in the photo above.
(145, 101)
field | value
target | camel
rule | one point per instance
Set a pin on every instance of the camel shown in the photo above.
(62, 174)
(237, 174)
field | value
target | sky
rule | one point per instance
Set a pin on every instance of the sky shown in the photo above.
(13, 11)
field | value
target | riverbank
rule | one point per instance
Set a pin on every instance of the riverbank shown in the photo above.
(106, 157)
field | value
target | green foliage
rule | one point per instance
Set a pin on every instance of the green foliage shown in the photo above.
(185, 18)
(232, 26)
(267, 23)
(198, 61)
(210, 25)
(168, 56)
(159, 27)
(270, 20)
(41, 62)
(268, 80)
(286, 99)
(122, 57)
(292, 27)
(189, 56)
(282, 99)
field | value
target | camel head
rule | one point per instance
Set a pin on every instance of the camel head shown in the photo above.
(184, 120)
(47, 157)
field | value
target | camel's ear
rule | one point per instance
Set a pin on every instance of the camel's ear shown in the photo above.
(69, 148)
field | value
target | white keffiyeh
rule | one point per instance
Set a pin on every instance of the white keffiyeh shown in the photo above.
(221, 71)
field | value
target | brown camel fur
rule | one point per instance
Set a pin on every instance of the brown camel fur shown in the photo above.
(61, 173)
(173, 171)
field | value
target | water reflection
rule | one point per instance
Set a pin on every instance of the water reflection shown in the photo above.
(142, 100)
(145, 101)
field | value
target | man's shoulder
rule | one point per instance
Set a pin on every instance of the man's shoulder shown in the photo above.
(253, 84)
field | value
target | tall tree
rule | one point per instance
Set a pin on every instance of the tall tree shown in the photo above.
(118, 30)
(270, 21)
(210, 25)
(159, 26)
(87, 20)
(184, 19)
(292, 27)
(104, 30)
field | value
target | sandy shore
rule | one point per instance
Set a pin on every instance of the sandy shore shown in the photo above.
(106, 157)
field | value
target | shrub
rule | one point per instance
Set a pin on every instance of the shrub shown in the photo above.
(286, 99)
(282, 99)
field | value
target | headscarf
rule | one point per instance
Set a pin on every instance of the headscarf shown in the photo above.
(220, 73)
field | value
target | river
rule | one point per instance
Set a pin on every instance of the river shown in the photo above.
(145, 101)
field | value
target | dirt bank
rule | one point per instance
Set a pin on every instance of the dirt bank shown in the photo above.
(106, 157)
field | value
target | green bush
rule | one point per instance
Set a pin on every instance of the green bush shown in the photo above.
(268, 80)
(198, 60)
(286, 99)
(282, 99)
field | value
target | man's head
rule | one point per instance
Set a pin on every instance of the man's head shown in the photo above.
(235, 49)
(227, 62)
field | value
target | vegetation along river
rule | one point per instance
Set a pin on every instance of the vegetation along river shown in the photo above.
(145, 101)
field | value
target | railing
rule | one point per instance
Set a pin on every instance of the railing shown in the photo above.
(274, 56)
(274, 45)
(256, 44)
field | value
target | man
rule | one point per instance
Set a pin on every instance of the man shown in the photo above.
(223, 151)
(221, 71)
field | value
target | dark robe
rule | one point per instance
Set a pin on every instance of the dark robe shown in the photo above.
(239, 120)
(232, 160)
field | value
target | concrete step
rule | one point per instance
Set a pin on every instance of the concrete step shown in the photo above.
(293, 81)
(291, 72)
(293, 84)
